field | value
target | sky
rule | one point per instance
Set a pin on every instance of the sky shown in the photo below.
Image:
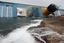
(39, 2)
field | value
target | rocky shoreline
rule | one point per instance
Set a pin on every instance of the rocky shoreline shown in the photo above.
(51, 30)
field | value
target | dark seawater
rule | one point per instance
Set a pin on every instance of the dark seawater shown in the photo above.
(9, 24)
(14, 30)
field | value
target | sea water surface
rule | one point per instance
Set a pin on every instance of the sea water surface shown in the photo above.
(14, 30)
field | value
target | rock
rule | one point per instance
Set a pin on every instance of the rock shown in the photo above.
(49, 24)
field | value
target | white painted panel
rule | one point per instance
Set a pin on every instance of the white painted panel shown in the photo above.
(6, 11)
(2, 12)
(10, 14)
(59, 13)
(21, 12)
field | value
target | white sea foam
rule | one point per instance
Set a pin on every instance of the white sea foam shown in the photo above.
(20, 35)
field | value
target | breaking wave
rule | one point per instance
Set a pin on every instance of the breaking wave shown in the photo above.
(20, 35)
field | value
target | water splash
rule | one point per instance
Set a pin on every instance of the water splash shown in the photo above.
(41, 32)
(20, 35)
